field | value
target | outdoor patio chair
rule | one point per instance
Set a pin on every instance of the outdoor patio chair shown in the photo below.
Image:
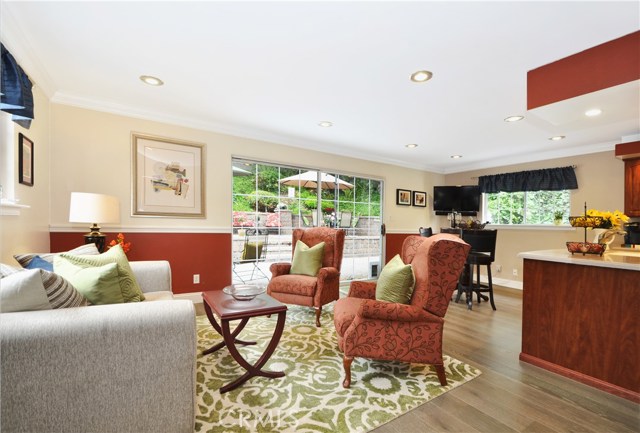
(254, 251)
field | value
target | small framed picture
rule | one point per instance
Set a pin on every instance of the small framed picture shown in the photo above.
(403, 197)
(25, 160)
(420, 198)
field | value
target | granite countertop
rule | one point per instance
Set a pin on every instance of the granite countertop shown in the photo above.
(617, 258)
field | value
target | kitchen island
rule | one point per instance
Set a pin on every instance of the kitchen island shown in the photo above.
(580, 317)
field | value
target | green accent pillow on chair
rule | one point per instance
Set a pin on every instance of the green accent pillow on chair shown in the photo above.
(129, 286)
(99, 284)
(252, 250)
(396, 281)
(307, 261)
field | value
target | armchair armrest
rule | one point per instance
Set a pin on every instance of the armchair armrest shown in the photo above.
(278, 269)
(328, 286)
(389, 311)
(362, 289)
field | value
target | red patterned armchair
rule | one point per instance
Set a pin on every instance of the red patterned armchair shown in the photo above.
(305, 290)
(399, 332)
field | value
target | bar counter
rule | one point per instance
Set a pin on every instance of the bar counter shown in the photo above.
(580, 317)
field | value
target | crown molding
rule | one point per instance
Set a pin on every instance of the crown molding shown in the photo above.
(14, 39)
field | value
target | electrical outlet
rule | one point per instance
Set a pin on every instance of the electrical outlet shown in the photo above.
(515, 272)
(196, 278)
(498, 268)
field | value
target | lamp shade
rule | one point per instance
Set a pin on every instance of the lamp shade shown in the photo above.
(93, 208)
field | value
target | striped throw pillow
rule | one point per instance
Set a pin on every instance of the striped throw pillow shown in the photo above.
(82, 250)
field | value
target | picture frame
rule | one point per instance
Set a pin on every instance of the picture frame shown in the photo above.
(419, 199)
(168, 178)
(25, 160)
(403, 197)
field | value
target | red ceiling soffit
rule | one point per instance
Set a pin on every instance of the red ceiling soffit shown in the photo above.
(610, 64)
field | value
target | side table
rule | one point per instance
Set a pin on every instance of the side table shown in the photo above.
(227, 309)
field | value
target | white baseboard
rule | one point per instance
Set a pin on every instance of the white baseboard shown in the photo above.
(512, 284)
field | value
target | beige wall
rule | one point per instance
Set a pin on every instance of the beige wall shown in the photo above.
(92, 153)
(29, 232)
(600, 183)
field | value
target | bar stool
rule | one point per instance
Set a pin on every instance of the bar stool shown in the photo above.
(483, 252)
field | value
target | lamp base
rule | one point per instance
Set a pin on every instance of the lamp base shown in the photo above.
(96, 238)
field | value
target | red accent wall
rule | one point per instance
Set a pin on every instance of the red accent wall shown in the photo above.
(610, 64)
(393, 244)
(207, 254)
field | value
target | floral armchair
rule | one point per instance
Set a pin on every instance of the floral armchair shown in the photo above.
(306, 290)
(408, 333)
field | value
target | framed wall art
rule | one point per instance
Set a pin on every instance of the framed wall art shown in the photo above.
(168, 177)
(403, 197)
(420, 198)
(25, 160)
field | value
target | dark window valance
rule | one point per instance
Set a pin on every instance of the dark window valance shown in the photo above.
(15, 89)
(546, 179)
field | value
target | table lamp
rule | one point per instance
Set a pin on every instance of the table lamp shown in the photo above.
(95, 209)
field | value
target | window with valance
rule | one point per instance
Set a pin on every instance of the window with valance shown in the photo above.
(546, 179)
(16, 96)
(528, 197)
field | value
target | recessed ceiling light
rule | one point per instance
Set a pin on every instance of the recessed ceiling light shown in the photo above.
(593, 112)
(411, 146)
(513, 118)
(421, 76)
(325, 124)
(456, 156)
(152, 81)
(557, 138)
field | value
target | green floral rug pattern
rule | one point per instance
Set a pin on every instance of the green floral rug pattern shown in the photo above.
(310, 397)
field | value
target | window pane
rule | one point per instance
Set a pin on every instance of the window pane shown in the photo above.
(533, 207)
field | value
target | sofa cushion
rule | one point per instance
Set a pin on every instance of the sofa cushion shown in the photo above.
(307, 260)
(99, 284)
(162, 295)
(82, 250)
(395, 283)
(58, 291)
(39, 263)
(131, 291)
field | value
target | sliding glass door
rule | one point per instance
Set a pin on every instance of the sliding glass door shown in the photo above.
(269, 201)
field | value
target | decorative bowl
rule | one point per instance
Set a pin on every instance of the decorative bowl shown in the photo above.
(586, 248)
(585, 221)
(244, 292)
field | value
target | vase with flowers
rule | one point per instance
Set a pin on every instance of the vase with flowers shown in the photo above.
(611, 224)
(119, 240)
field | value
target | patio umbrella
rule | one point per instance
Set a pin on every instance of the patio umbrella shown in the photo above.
(237, 171)
(309, 179)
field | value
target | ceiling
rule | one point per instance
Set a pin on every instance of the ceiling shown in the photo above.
(273, 70)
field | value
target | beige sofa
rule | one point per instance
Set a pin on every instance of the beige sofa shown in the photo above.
(103, 368)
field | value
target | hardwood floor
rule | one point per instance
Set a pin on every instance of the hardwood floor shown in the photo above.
(510, 396)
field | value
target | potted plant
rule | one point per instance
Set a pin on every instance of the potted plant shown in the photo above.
(557, 217)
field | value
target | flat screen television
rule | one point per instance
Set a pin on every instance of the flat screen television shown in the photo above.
(464, 200)
(469, 200)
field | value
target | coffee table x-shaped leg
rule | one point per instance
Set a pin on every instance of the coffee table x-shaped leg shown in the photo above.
(229, 336)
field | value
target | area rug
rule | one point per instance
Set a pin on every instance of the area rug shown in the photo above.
(310, 397)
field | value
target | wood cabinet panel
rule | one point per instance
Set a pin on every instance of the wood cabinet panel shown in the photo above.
(584, 320)
(632, 187)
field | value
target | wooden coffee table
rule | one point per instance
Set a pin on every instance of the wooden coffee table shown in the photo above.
(227, 309)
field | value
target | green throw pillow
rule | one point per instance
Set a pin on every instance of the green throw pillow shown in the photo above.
(129, 286)
(99, 284)
(252, 250)
(307, 261)
(395, 283)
